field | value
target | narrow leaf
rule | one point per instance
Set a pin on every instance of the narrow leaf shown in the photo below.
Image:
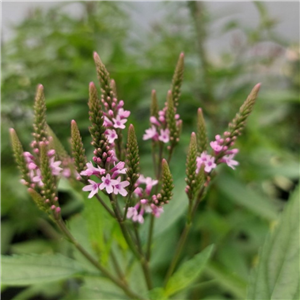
(21, 270)
(188, 272)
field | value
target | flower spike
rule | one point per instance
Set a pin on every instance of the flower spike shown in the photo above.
(167, 184)
(171, 121)
(177, 79)
(78, 151)
(239, 122)
(19, 157)
(202, 141)
(39, 125)
(133, 159)
(154, 105)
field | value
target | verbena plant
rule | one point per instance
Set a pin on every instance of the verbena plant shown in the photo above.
(113, 178)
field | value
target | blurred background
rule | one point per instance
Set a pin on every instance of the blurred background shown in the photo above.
(228, 46)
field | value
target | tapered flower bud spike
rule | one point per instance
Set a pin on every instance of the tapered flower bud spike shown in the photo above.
(154, 105)
(132, 158)
(39, 125)
(239, 122)
(177, 79)
(192, 179)
(18, 154)
(202, 140)
(55, 143)
(78, 151)
(97, 129)
(49, 182)
(171, 121)
(39, 200)
(167, 184)
(104, 80)
(114, 88)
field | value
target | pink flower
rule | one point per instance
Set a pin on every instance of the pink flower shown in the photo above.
(119, 123)
(111, 135)
(93, 188)
(107, 183)
(228, 159)
(123, 113)
(216, 146)
(54, 165)
(118, 169)
(138, 192)
(119, 187)
(91, 170)
(156, 210)
(150, 133)
(154, 121)
(164, 135)
(131, 212)
(149, 183)
(107, 122)
(37, 178)
(207, 160)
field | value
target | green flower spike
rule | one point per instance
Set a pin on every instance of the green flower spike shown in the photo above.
(132, 158)
(177, 79)
(238, 123)
(192, 179)
(114, 88)
(78, 151)
(39, 200)
(154, 105)
(171, 121)
(105, 82)
(166, 194)
(18, 154)
(39, 125)
(202, 140)
(97, 129)
(49, 181)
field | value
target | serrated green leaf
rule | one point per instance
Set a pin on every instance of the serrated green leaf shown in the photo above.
(21, 270)
(277, 275)
(188, 272)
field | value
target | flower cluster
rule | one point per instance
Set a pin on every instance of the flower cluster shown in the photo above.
(145, 203)
(221, 154)
(110, 183)
(34, 170)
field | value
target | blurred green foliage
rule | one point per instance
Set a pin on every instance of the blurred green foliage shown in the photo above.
(56, 49)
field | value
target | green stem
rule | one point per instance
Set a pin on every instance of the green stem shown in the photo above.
(150, 235)
(131, 245)
(183, 236)
(94, 262)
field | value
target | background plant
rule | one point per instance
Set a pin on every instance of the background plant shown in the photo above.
(237, 216)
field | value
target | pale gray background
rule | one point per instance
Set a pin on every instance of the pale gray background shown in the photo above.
(145, 13)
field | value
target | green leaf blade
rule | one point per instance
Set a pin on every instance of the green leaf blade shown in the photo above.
(22, 270)
(277, 273)
(188, 272)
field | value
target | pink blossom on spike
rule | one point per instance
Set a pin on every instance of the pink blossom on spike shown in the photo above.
(150, 133)
(107, 122)
(51, 152)
(156, 210)
(119, 187)
(118, 169)
(154, 121)
(107, 183)
(207, 160)
(149, 183)
(37, 178)
(138, 192)
(164, 135)
(123, 113)
(66, 172)
(111, 135)
(119, 123)
(54, 165)
(228, 159)
(216, 146)
(93, 188)
(91, 170)
(131, 212)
